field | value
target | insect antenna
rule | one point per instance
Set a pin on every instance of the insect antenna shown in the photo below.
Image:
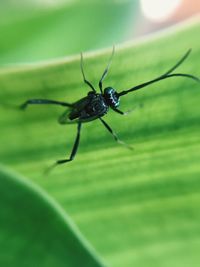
(166, 75)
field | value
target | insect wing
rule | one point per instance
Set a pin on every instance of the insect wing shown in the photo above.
(64, 118)
(73, 114)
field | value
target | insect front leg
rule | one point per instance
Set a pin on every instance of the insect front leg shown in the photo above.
(44, 101)
(106, 71)
(74, 149)
(86, 81)
(115, 135)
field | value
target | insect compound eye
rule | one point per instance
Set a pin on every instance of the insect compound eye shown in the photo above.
(111, 97)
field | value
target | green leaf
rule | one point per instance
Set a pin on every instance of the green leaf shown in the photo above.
(34, 230)
(137, 208)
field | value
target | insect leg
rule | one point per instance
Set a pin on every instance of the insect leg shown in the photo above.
(126, 112)
(114, 134)
(44, 101)
(86, 81)
(106, 71)
(121, 112)
(75, 147)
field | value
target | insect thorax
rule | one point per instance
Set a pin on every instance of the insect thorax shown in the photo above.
(111, 97)
(96, 105)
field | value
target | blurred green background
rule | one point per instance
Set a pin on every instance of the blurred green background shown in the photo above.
(37, 30)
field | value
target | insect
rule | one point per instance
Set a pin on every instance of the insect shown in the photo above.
(95, 105)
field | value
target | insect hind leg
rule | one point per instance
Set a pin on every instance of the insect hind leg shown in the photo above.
(43, 101)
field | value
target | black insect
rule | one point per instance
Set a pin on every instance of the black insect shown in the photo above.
(96, 105)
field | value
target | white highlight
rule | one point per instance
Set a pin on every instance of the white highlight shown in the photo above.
(159, 10)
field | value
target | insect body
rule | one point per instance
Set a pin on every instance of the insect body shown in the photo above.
(96, 105)
(87, 109)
